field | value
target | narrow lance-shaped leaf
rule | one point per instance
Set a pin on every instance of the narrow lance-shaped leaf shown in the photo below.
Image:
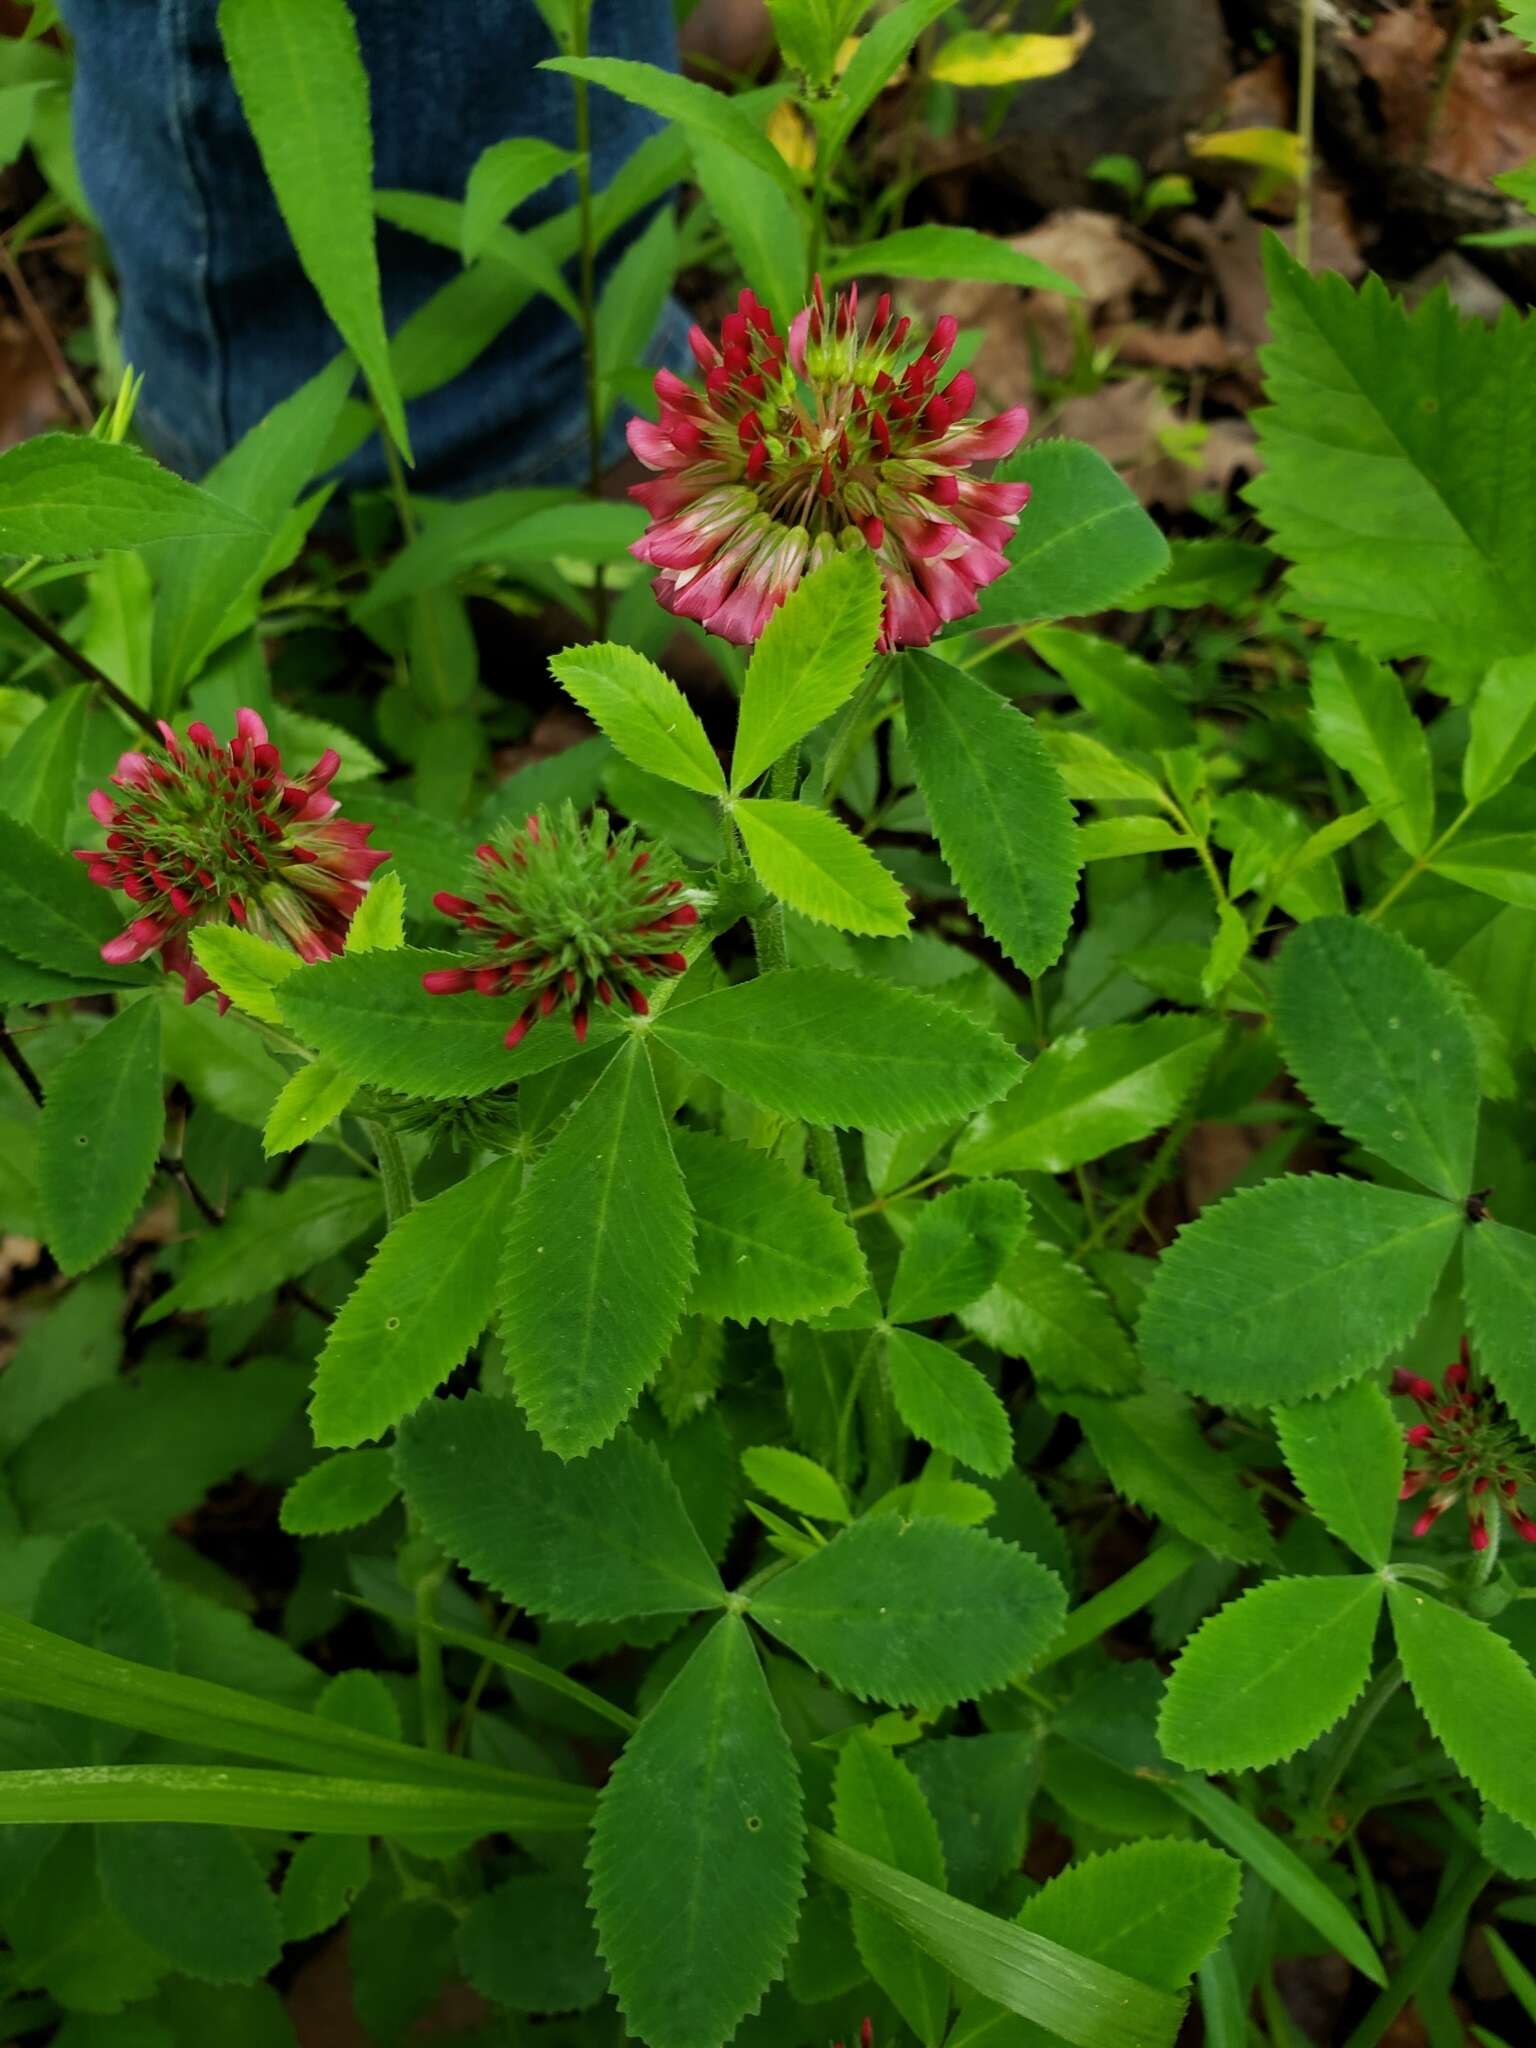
(102, 1124)
(880, 1811)
(1153, 1450)
(1362, 721)
(501, 178)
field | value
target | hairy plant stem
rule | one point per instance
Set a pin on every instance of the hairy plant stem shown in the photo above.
(1355, 1729)
(587, 297)
(394, 1172)
(1124, 1597)
(1306, 124)
(42, 629)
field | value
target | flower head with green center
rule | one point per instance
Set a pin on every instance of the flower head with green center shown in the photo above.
(568, 914)
(1466, 1448)
(841, 438)
(204, 834)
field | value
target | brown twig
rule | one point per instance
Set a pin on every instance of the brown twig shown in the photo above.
(42, 629)
(46, 339)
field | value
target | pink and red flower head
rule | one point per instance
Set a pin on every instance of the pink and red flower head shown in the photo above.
(565, 916)
(843, 438)
(198, 833)
(1465, 1448)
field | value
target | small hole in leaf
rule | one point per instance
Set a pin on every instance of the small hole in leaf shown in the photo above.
(754, 1822)
(81, 1138)
(391, 1322)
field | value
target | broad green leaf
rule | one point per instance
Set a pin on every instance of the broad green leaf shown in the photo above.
(998, 805)
(1476, 1692)
(879, 1809)
(300, 77)
(1124, 693)
(197, 1895)
(814, 864)
(100, 1137)
(312, 1098)
(770, 1243)
(501, 178)
(958, 1246)
(1071, 1996)
(1346, 1454)
(1381, 1045)
(1094, 771)
(370, 1016)
(202, 591)
(51, 914)
(643, 712)
(948, 1402)
(245, 968)
(796, 1481)
(1503, 728)
(810, 659)
(145, 1448)
(1498, 1267)
(840, 1049)
(875, 1611)
(1293, 1287)
(101, 1592)
(694, 107)
(77, 1345)
(1495, 863)
(427, 1294)
(1153, 1450)
(706, 1791)
(1088, 1093)
(341, 1492)
(38, 774)
(529, 1946)
(1267, 1675)
(1362, 720)
(600, 1538)
(951, 253)
(1084, 542)
(378, 924)
(597, 1263)
(633, 299)
(764, 230)
(1385, 450)
(268, 1237)
(324, 1877)
(1153, 1909)
(69, 494)
(1048, 1312)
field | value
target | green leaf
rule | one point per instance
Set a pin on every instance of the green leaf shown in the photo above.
(764, 230)
(310, 1100)
(1089, 1092)
(1153, 1450)
(245, 968)
(880, 1810)
(1381, 1045)
(633, 298)
(1046, 1310)
(1070, 1995)
(1153, 1909)
(369, 1014)
(1084, 542)
(339, 1493)
(1477, 1694)
(807, 34)
(1125, 694)
(1385, 450)
(427, 1294)
(950, 253)
(50, 913)
(643, 712)
(197, 1895)
(269, 1237)
(529, 1945)
(998, 805)
(378, 925)
(601, 1538)
(77, 1345)
(813, 863)
(1362, 720)
(1293, 1287)
(1267, 1675)
(882, 51)
(100, 1137)
(796, 1481)
(1496, 863)
(946, 1401)
(706, 1791)
(68, 494)
(840, 1049)
(501, 178)
(1346, 1454)
(300, 77)
(810, 659)
(1503, 728)
(770, 1243)
(875, 1611)
(1498, 1268)
(696, 108)
(598, 1261)
(958, 1246)
(101, 1592)
(38, 774)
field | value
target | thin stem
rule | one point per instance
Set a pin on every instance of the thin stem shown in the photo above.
(768, 927)
(913, 1187)
(1124, 1597)
(82, 665)
(1425, 860)
(394, 1172)
(587, 297)
(850, 1402)
(1355, 1730)
(399, 490)
(1464, 1883)
(430, 1682)
(20, 1066)
(1466, 19)
(1306, 123)
(988, 648)
(46, 339)
(828, 1162)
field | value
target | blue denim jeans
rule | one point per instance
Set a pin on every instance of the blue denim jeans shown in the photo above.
(216, 311)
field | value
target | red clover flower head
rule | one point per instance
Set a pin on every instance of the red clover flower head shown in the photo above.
(1466, 1448)
(203, 834)
(565, 914)
(842, 438)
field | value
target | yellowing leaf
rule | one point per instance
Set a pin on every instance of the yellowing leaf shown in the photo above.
(790, 134)
(1277, 150)
(975, 58)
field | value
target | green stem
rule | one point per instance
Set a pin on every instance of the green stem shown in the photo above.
(431, 1686)
(768, 927)
(1464, 1883)
(1306, 123)
(850, 1402)
(587, 296)
(1355, 1730)
(399, 489)
(851, 733)
(394, 1171)
(1126, 1596)
(1425, 860)
(819, 181)
(828, 1162)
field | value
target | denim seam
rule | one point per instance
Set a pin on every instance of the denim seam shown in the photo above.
(183, 124)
